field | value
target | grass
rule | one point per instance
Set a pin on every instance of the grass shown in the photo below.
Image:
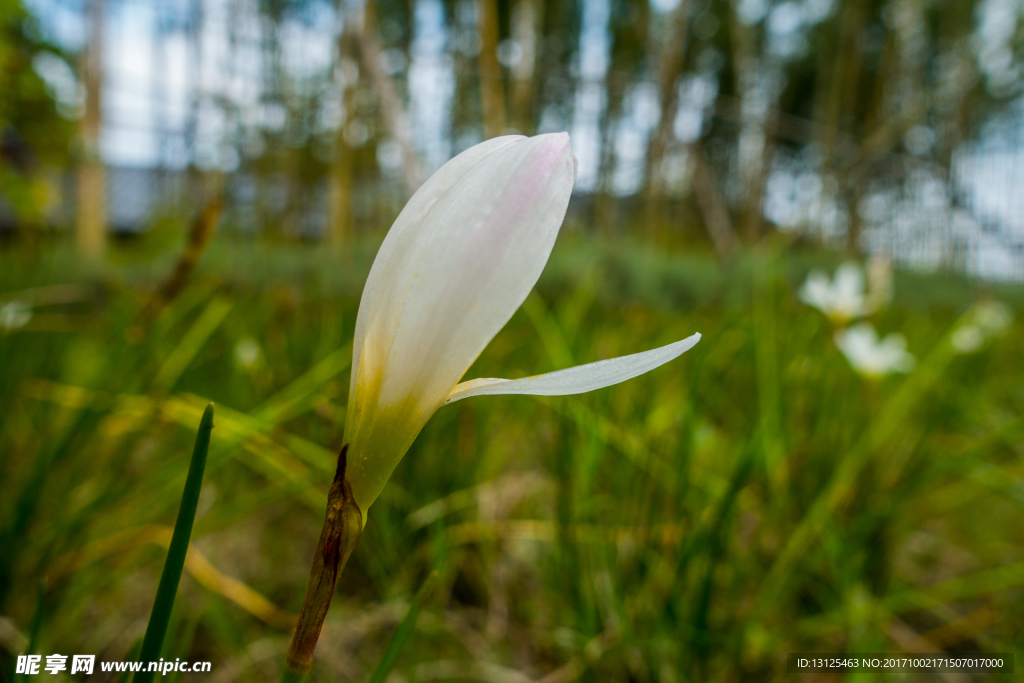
(754, 498)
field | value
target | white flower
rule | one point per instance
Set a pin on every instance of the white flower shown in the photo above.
(967, 339)
(15, 314)
(873, 357)
(247, 353)
(457, 263)
(843, 298)
(993, 317)
(988, 319)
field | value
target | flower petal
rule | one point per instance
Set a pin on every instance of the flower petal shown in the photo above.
(579, 379)
(460, 259)
(871, 356)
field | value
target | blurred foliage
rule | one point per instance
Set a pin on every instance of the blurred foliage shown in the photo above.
(32, 133)
(753, 498)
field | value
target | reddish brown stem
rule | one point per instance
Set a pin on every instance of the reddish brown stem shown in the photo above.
(342, 526)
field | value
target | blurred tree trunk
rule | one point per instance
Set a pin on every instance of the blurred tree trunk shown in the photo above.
(525, 30)
(628, 24)
(956, 75)
(339, 188)
(898, 104)
(605, 213)
(839, 95)
(492, 91)
(757, 174)
(339, 192)
(558, 44)
(91, 221)
(194, 178)
(396, 119)
(837, 79)
(753, 142)
(712, 205)
(670, 68)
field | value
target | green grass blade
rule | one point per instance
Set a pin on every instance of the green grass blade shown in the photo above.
(168, 588)
(191, 344)
(404, 631)
(295, 398)
(132, 654)
(37, 621)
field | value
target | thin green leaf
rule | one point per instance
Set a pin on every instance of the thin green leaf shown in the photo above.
(168, 588)
(404, 631)
(132, 655)
(37, 622)
(190, 345)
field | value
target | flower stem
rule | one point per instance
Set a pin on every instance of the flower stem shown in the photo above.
(342, 526)
(289, 675)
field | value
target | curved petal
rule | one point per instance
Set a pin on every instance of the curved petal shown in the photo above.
(579, 379)
(458, 262)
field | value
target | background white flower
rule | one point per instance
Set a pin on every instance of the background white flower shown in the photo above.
(15, 314)
(967, 339)
(247, 353)
(843, 298)
(993, 317)
(872, 356)
(987, 320)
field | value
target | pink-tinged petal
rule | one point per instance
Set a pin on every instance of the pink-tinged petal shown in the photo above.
(458, 262)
